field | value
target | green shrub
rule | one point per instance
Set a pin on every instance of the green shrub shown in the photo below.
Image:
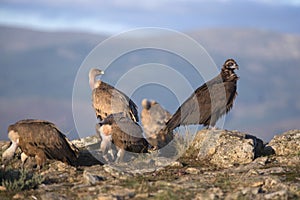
(19, 180)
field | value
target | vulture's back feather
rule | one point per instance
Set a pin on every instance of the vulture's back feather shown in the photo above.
(126, 134)
(36, 135)
(109, 100)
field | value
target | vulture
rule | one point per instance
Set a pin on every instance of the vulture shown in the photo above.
(108, 100)
(210, 101)
(154, 118)
(124, 133)
(40, 139)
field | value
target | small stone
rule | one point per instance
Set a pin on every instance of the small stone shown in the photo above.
(272, 170)
(52, 195)
(192, 170)
(2, 188)
(116, 172)
(258, 184)
(106, 198)
(142, 196)
(92, 178)
(283, 194)
(18, 196)
(176, 164)
(249, 190)
(261, 160)
(124, 194)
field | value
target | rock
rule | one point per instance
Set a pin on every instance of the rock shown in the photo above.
(142, 196)
(212, 193)
(282, 194)
(18, 196)
(88, 142)
(176, 164)
(2, 188)
(224, 148)
(286, 144)
(154, 177)
(192, 170)
(116, 172)
(92, 179)
(53, 195)
(271, 170)
(105, 197)
(124, 193)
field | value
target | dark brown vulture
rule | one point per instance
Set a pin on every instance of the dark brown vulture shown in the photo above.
(125, 134)
(39, 139)
(210, 101)
(154, 118)
(108, 100)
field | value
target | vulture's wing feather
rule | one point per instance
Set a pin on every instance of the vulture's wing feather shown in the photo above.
(108, 100)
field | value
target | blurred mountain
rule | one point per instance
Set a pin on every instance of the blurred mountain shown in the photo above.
(38, 70)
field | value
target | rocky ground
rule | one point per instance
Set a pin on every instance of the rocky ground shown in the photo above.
(217, 165)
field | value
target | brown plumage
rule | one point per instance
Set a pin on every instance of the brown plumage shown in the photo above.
(109, 100)
(210, 101)
(154, 118)
(40, 139)
(125, 134)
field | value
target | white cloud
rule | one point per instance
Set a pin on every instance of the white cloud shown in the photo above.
(118, 15)
(38, 21)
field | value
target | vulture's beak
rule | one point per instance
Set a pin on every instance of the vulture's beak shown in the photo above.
(235, 66)
(101, 72)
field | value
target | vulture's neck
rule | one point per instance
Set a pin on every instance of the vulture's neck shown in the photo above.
(93, 82)
(9, 153)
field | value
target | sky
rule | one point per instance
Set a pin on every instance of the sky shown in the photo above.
(115, 16)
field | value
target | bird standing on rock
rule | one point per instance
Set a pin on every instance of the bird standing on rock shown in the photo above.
(210, 101)
(40, 139)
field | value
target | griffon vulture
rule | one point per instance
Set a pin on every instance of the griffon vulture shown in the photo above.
(108, 100)
(154, 118)
(124, 133)
(40, 139)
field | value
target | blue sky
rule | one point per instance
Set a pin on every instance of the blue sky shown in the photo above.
(119, 15)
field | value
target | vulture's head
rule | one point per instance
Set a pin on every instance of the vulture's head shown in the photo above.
(228, 68)
(8, 154)
(230, 64)
(95, 72)
(146, 104)
(92, 76)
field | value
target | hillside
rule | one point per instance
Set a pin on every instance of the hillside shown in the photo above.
(39, 69)
(216, 165)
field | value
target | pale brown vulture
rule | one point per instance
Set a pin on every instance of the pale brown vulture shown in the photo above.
(154, 118)
(40, 139)
(109, 100)
(124, 133)
(210, 101)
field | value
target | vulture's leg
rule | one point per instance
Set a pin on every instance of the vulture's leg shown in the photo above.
(40, 158)
(105, 143)
(24, 158)
(120, 155)
(214, 128)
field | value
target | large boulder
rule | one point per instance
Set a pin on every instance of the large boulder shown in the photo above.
(286, 144)
(224, 148)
